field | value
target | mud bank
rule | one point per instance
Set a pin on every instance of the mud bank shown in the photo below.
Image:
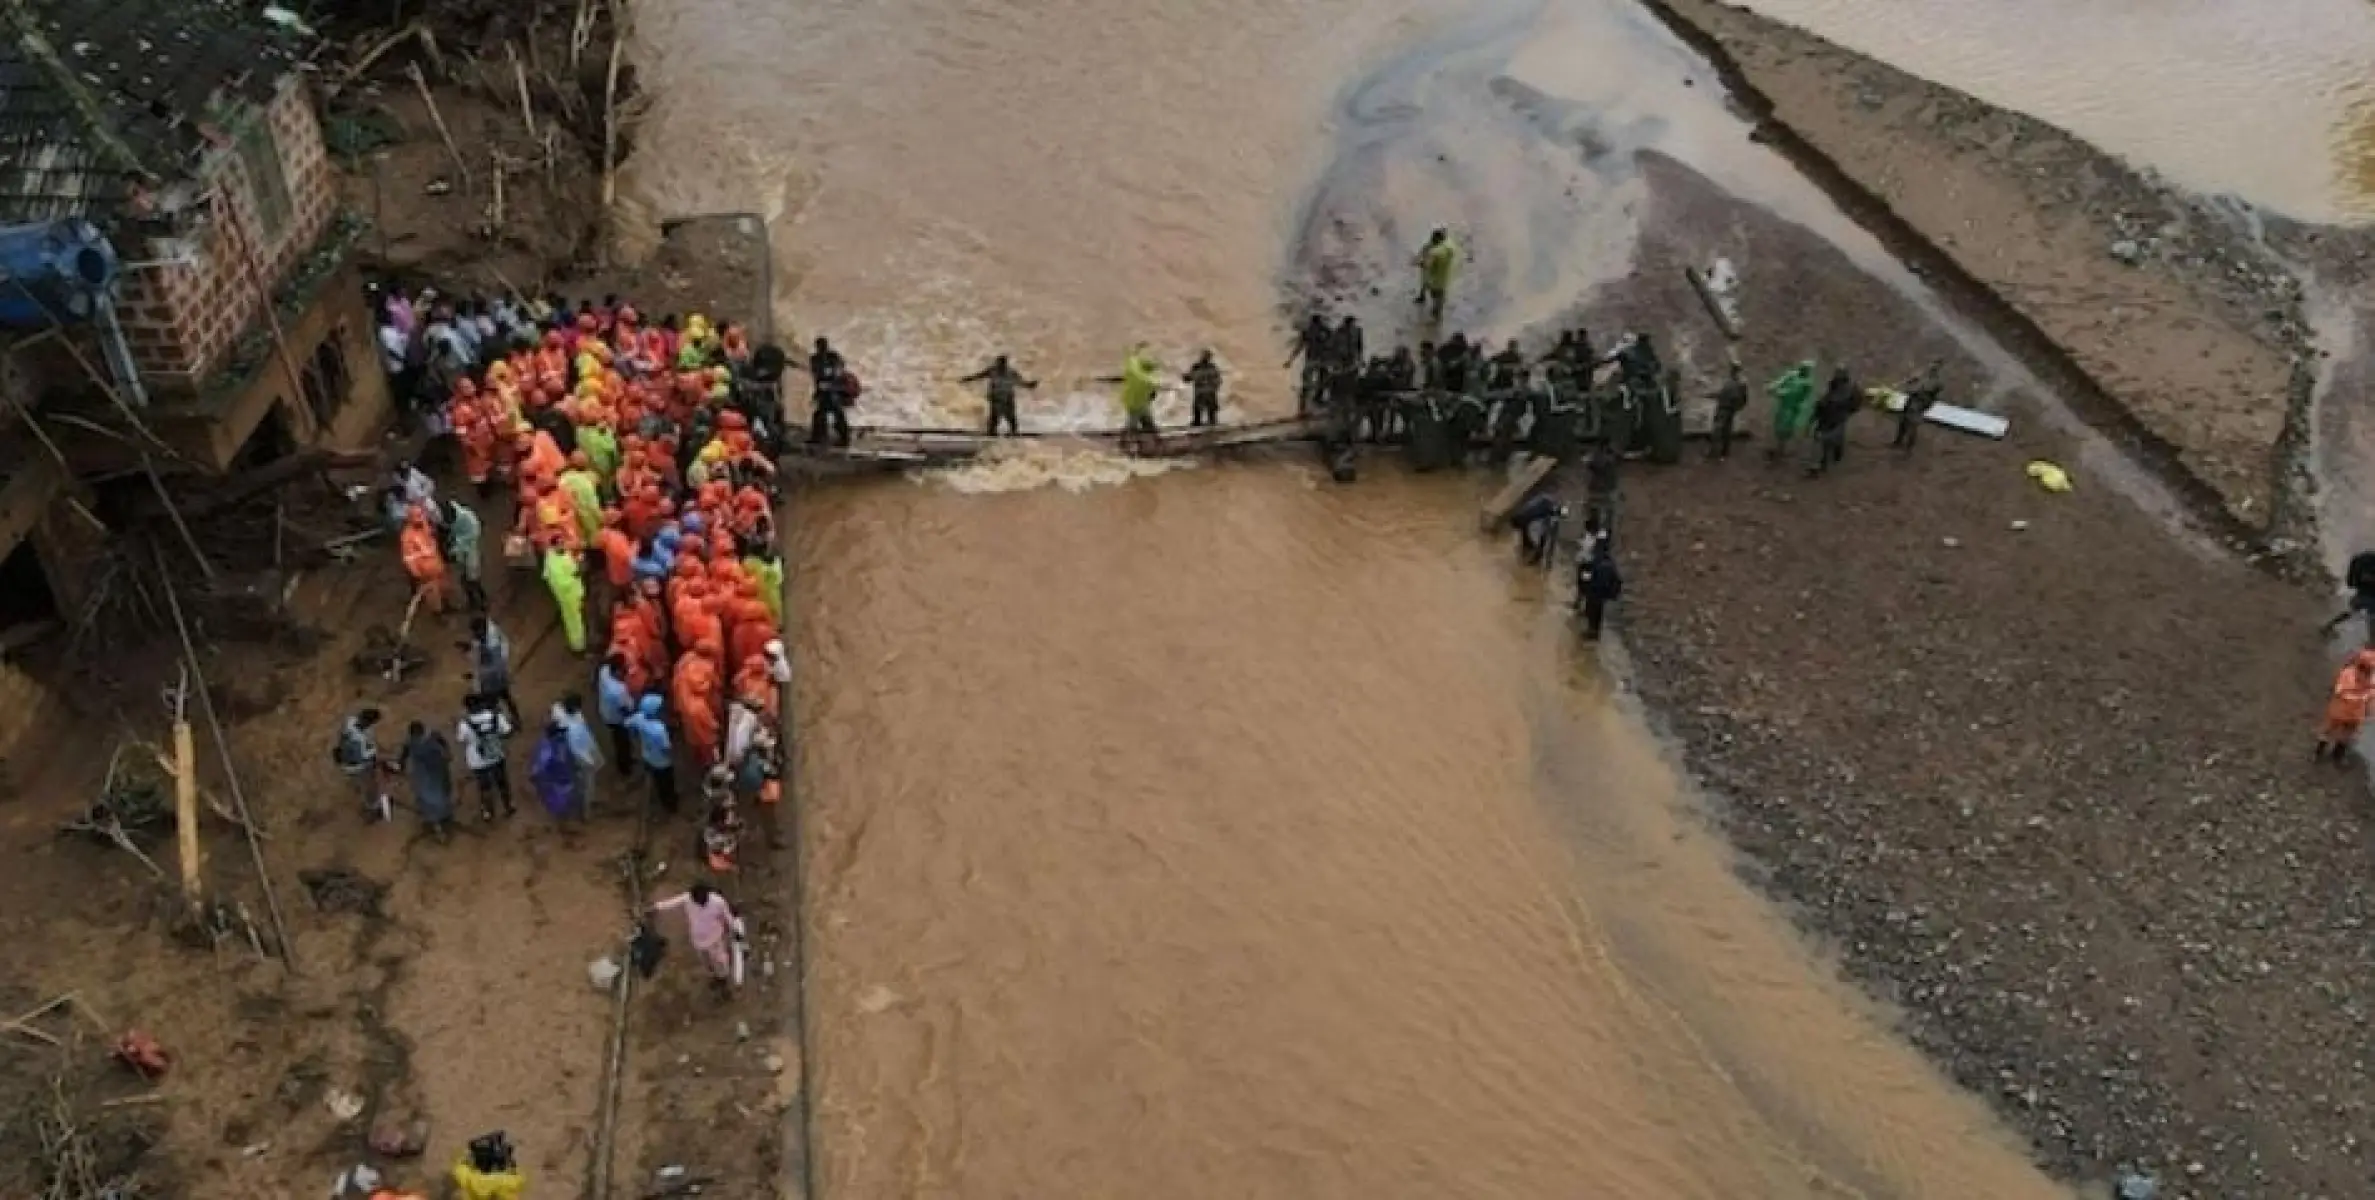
(2171, 321)
(2046, 789)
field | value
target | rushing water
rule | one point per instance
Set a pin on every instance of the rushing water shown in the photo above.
(2269, 100)
(1229, 834)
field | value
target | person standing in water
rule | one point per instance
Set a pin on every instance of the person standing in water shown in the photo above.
(1435, 265)
(1203, 380)
(1002, 379)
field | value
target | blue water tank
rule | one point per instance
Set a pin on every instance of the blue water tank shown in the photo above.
(64, 267)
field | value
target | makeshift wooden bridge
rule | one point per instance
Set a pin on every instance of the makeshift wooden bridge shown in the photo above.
(897, 447)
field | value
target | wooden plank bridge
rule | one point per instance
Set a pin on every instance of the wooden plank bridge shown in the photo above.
(894, 447)
(900, 447)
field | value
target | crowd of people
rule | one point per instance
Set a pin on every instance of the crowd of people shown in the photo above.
(638, 460)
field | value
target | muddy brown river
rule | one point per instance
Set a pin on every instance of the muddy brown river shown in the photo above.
(1229, 833)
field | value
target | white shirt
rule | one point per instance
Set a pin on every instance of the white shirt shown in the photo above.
(392, 345)
(481, 734)
(742, 725)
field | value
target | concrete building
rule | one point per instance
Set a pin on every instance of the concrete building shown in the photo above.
(185, 132)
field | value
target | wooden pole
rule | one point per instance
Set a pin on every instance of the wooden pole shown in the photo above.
(519, 77)
(255, 273)
(222, 747)
(618, 47)
(185, 807)
(438, 119)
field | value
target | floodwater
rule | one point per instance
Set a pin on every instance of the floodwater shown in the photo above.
(1231, 833)
(2272, 101)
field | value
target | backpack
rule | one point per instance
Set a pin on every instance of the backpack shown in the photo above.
(486, 740)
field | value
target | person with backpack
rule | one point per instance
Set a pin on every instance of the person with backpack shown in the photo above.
(356, 755)
(490, 665)
(485, 731)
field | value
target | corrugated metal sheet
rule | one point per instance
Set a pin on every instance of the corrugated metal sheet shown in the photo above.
(104, 104)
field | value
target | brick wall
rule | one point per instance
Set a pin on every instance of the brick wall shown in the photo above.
(180, 319)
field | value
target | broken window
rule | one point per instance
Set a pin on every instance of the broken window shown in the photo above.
(326, 379)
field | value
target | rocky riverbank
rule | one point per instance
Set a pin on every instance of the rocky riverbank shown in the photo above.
(2035, 766)
(2175, 320)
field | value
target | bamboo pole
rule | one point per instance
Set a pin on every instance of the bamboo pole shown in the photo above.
(222, 747)
(362, 63)
(519, 78)
(255, 272)
(618, 48)
(495, 210)
(185, 806)
(421, 83)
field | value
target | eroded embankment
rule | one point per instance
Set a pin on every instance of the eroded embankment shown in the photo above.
(2163, 319)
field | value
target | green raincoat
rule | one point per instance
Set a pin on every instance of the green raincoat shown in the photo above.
(1793, 401)
(586, 497)
(1139, 383)
(1435, 264)
(569, 596)
(601, 447)
(769, 577)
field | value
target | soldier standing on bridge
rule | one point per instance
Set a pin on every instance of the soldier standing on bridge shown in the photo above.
(1314, 346)
(1345, 348)
(1203, 380)
(829, 388)
(1002, 379)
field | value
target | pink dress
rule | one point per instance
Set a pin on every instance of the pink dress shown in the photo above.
(712, 928)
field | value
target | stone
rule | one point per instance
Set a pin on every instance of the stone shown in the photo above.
(2127, 251)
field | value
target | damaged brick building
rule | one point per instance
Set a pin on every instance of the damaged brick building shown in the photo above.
(172, 149)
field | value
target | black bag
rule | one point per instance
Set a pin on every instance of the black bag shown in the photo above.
(645, 949)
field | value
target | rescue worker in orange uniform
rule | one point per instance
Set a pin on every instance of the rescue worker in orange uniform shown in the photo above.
(422, 559)
(2347, 706)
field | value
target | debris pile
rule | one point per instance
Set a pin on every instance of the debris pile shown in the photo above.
(60, 1139)
(233, 546)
